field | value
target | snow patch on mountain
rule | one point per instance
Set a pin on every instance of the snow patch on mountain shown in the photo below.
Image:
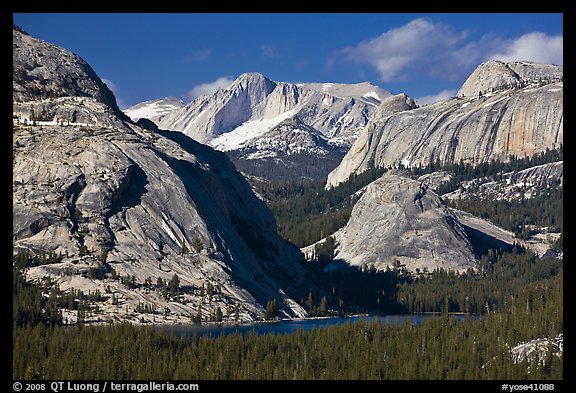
(153, 109)
(372, 94)
(249, 130)
(326, 86)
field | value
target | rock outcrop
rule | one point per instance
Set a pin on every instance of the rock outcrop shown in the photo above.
(519, 121)
(513, 186)
(401, 222)
(535, 351)
(46, 71)
(495, 75)
(101, 195)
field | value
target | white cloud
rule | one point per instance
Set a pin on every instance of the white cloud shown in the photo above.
(440, 96)
(268, 50)
(111, 85)
(199, 55)
(426, 48)
(537, 47)
(205, 89)
(119, 100)
(419, 45)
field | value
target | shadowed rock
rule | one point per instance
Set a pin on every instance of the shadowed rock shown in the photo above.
(104, 193)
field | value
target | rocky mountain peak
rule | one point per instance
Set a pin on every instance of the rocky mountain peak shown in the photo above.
(393, 104)
(257, 85)
(46, 71)
(252, 76)
(253, 104)
(490, 75)
(495, 75)
(102, 195)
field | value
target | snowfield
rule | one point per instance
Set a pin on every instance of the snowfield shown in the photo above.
(153, 109)
(372, 94)
(238, 137)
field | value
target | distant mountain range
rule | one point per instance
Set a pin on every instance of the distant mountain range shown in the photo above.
(277, 123)
(104, 202)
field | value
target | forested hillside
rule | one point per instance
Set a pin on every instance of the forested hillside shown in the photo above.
(144, 237)
(305, 212)
(440, 348)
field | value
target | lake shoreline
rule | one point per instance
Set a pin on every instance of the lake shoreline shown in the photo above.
(287, 326)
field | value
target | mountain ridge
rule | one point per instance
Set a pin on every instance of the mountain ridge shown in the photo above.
(519, 120)
(266, 99)
(122, 210)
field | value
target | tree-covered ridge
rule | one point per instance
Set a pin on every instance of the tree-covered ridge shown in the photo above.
(462, 171)
(545, 210)
(496, 286)
(518, 297)
(440, 348)
(305, 212)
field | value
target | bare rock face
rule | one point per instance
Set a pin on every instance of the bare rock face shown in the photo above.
(101, 194)
(43, 70)
(253, 105)
(400, 221)
(519, 121)
(535, 351)
(496, 75)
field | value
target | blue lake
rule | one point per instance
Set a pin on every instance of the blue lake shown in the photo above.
(289, 326)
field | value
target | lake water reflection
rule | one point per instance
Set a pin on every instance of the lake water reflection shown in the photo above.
(285, 327)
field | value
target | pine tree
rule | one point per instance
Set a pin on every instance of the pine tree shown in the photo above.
(309, 302)
(236, 312)
(198, 317)
(197, 244)
(174, 285)
(218, 315)
(271, 310)
(323, 309)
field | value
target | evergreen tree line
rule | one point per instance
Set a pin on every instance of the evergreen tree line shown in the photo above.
(306, 212)
(25, 258)
(42, 301)
(496, 286)
(439, 348)
(29, 307)
(462, 171)
(367, 290)
(544, 210)
(519, 296)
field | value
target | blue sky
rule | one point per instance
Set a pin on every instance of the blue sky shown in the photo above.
(427, 56)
